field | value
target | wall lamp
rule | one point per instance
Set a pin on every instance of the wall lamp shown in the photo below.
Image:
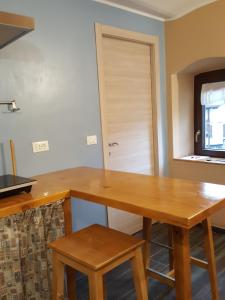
(11, 105)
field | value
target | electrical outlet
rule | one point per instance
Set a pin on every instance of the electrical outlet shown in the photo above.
(40, 146)
(91, 140)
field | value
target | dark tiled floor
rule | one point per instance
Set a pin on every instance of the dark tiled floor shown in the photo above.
(119, 281)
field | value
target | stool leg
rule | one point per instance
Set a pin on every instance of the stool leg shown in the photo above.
(71, 283)
(58, 278)
(139, 275)
(104, 288)
(96, 286)
(147, 231)
(209, 249)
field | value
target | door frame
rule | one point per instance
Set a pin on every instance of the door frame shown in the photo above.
(101, 31)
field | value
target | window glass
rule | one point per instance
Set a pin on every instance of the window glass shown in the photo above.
(215, 127)
(213, 102)
(209, 113)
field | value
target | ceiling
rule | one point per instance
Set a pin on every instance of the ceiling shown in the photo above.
(163, 9)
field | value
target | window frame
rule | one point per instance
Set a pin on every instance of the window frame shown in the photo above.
(199, 112)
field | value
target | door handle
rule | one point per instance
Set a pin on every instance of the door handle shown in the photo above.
(197, 134)
(113, 144)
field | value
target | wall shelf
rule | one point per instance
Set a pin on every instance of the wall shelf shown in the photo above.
(13, 26)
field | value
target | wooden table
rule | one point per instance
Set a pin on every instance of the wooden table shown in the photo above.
(180, 203)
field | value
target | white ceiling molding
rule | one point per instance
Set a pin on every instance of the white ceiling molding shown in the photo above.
(135, 11)
(158, 9)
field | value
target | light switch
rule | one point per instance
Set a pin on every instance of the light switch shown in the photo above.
(40, 146)
(91, 140)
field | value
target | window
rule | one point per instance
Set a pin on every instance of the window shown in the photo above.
(209, 115)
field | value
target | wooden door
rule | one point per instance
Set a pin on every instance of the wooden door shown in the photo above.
(127, 113)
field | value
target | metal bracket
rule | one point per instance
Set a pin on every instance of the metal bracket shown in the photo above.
(11, 105)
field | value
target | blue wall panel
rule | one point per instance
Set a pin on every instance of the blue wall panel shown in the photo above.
(52, 74)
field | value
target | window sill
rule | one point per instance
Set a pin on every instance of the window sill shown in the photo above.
(203, 159)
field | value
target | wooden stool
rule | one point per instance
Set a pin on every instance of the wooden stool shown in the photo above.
(174, 241)
(94, 251)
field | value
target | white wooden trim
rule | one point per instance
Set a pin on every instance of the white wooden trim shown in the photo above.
(157, 113)
(99, 48)
(132, 10)
(153, 41)
(127, 35)
(152, 16)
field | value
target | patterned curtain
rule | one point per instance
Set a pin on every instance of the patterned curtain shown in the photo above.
(25, 260)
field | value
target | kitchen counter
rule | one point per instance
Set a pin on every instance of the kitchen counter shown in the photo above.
(174, 201)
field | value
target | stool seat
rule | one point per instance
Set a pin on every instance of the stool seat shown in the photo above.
(94, 251)
(96, 246)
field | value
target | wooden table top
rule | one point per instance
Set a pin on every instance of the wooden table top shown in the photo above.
(174, 201)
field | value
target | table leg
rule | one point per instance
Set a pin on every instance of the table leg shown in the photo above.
(147, 229)
(182, 264)
(170, 243)
(209, 249)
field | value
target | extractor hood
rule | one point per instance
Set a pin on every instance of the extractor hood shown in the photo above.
(13, 27)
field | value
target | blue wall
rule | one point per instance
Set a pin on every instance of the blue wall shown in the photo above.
(52, 74)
